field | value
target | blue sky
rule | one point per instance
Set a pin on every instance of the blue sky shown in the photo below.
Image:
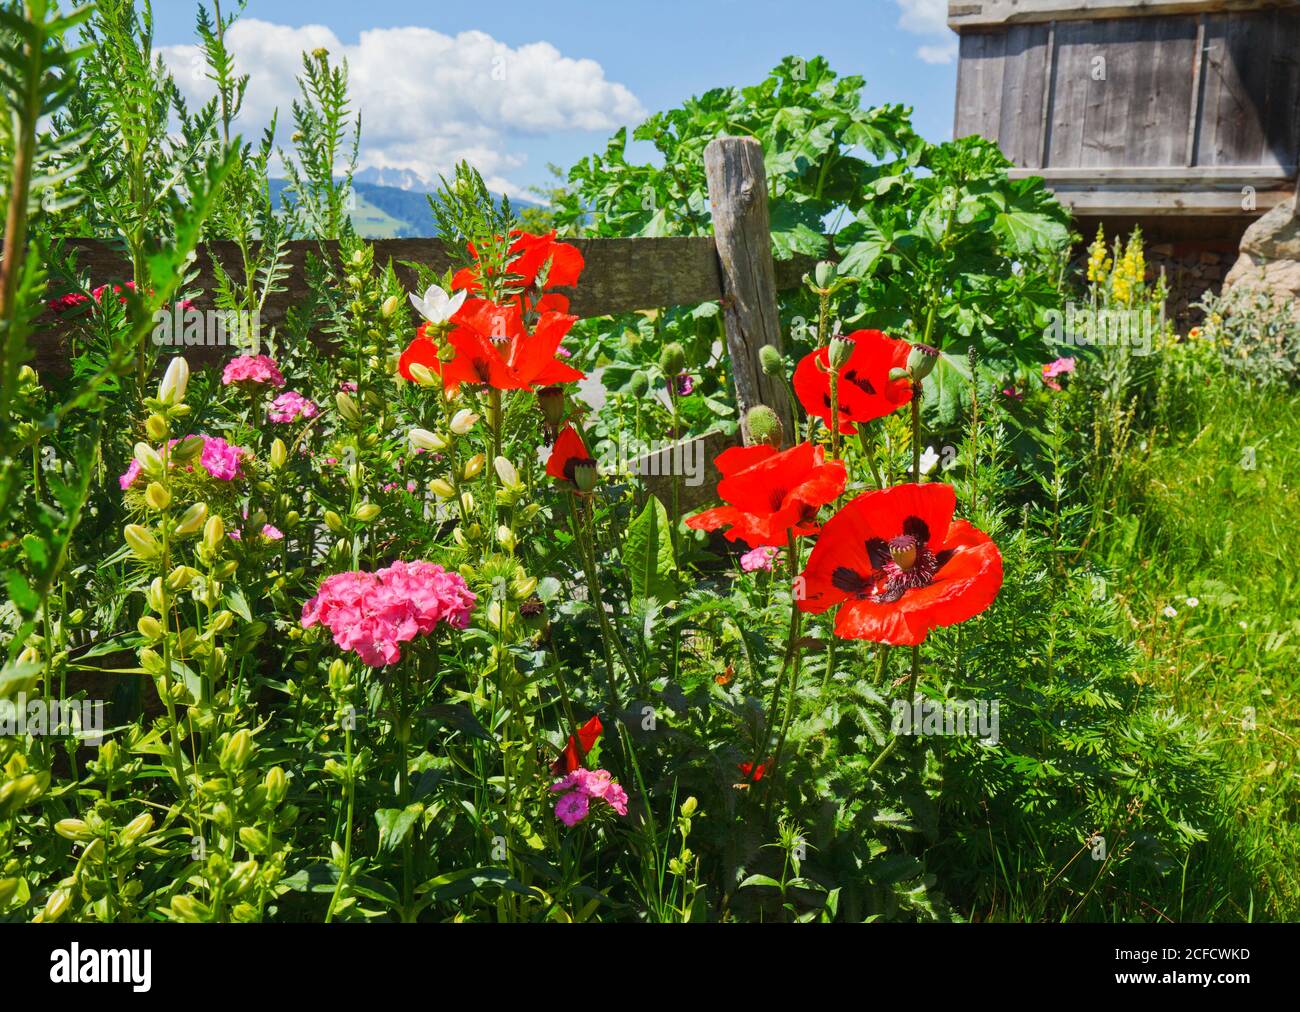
(431, 98)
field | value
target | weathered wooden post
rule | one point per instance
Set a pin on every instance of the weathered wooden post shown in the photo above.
(742, 232)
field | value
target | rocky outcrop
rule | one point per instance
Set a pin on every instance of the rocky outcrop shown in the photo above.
(1270, 258)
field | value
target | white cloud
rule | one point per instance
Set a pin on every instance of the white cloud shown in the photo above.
(426, 99)
(929, 17)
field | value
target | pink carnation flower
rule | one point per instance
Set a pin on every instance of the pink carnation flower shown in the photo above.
(372, 613)
(1058, 368)
(759, 558)
(290, 406)
(252, 369)
(580, 788)
(219, 459)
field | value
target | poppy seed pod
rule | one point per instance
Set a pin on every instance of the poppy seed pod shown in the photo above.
(771, 361)
(922, 360)
(825, 274)
(639, 384)
(585, 476)
(841, 350)
(551, 401)
(672, 360)
(764, 426)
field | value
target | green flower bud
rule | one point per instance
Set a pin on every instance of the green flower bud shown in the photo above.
(689, 806)
(334, 522)
(639, 384)
(279, 454)
(192, 520)
(276, 784)
(672, 360)
(237, 750)
(348, 408)
(367, 512)
(57, 905)
(187, 449)
(175, 381)
(389, 307)
(214, 533)
(157, 497)
(188, 909)
(156, 428)
(150, 628)
(763, 426)
(136, 828)
(771, 361)
(148, 459)
(825, 274)
(73, 829)
(142, 543)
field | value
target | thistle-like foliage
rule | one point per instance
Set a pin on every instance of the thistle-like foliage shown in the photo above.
(319, 196)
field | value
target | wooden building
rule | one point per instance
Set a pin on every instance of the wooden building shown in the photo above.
(1181, 115)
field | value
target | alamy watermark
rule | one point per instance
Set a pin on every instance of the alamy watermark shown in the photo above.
(975, 718)
(183, 326)
(657, 458)
(66, 718)
(1084, 326)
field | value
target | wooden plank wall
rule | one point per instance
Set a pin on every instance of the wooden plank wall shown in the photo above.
(1242, 104)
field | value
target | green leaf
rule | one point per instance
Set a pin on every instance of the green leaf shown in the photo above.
(648, 554)
(394, 824)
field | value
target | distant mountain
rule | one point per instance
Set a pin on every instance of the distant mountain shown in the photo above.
(391, 211)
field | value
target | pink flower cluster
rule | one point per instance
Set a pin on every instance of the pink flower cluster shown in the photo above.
(219, 459)
(290, 406)
(65, 302)
(371, 613)
(252, 369)
(580, 788)
(759, 558)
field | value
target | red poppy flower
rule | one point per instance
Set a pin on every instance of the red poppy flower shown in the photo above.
(864, 389)
(898, 564)
(529, 254)
(753, 774)
(771, 494)
(570, 759)
(493, 347)
(570, 460)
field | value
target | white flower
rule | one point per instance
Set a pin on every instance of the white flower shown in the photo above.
(1192, 602)
(1170, 611)
(1243, 625)
(423, 439)
(463, 421)
(928, 460)
(506, 472)
(437, 306)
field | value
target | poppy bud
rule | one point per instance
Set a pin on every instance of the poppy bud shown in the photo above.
(156, 427)
(192, 519)
(841, 350)
(672, 360)
(639, 384)
(771, 361)
(551, 401)
(921, 361)
(175, 381)
(463, 421)
(279, 454)
(825, 274)
(763, 426)
(141, 541)
(157, 497)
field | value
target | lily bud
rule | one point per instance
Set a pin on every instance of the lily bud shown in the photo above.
(506, 472)
(463, 421)
(142, 543)
(148, 459)
(192, 519)
(157, 497)
(442, 488)
(922, 360)
(235, 753)
(367, 512)
(72, 829)
(423, 375)
(389, 307)
(136, 828)
(187, 449)
(506, 538)
(474, 466)
(214, 533)
(150, 628)
(423, 439)
(347, 408)
(334, 522)
(156, 427)
(175, 381)
(279, 454)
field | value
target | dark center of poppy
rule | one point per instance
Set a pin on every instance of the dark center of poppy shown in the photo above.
(902, 563)
(573, 463)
